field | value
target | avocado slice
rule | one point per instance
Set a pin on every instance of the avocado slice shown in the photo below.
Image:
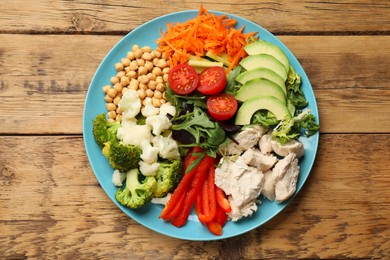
(260, 87)
(264, 61)
(262, 73)
(263, 47)
(249, 107)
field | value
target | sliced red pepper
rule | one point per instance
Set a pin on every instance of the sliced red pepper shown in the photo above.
(193, 191)
(179, 192)
(190, 157)
(209, 202)
(214, 227)
(221, 216)
(222, 200)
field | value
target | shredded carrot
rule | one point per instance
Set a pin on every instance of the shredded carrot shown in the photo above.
(206, 32)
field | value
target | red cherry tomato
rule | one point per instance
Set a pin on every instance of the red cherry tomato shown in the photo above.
(222, 106)
(212, 81)
(183, 79)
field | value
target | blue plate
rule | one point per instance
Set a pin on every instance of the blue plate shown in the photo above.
(149, 215)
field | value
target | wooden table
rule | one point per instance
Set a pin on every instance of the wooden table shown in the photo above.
(51, 205)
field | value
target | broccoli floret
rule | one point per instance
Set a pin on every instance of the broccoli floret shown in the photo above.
(136, 193)
(168, 176)
(122, 157)
(104, 130)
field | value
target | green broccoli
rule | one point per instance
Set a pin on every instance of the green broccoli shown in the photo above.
(104, 130)
(168, 176)
(136, 193)
(121, 156)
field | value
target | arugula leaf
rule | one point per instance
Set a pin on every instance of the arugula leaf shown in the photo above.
(232, 85)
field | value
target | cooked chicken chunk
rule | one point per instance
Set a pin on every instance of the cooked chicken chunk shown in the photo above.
(286, 173)
(246, 139)
(255, 158)
(269, 185)
(245, 211)
(265, 144)
(292, 146)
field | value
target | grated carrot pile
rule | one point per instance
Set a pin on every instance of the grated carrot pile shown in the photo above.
(206, 32)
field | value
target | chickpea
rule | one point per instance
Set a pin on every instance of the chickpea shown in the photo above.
(125, 81)
(111, 120)
(141, 93)
(149, 65)
(142, 71)
(111, 92)
(133, 65)
(106, 88)
(140, 62)
(131, 74)
(164, 55)
(160, 87)
(152, 84)
(155, 61)
(146, 49)
(149, 93)
(144, 79)
(118, 87)
(125, 62)
(151, 76)
(108, 99)
(118, 118)
(159, 79)
(166, 70)
(134, 85)
(124, 90)
(157, 54)
(137, 53)
(143, 86)
(156, 102)
(135, 47)
(162, 63)
(119, 66)
(162, 101)
(116, 100)
(119, 110)
(114, 80)
(111, 114)
(165, 77)
(130, 55)
(157, 71)
(120, 74)
(110, 106)
(147, 56)
(157, 94)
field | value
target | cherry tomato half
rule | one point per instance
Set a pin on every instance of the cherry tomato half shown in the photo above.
(183, 79)
(222, 106)
(212, 81)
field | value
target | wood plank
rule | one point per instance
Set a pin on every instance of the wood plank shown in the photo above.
(43, 87)
(52, 206)
(42, 16)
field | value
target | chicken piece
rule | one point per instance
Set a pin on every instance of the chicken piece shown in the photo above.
(255, 158)
(292, 146)
(286, 173)
(238, 213)
(223, 175)
(265, 144)
(245, 139)
(269, 185)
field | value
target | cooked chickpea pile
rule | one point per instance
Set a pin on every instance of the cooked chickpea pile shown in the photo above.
(144, 70)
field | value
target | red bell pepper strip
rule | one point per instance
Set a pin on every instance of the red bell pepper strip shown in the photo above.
(221, 216)
(179, 192)
(209, 202)
(193, 191)
(214, 227)
(222, 200)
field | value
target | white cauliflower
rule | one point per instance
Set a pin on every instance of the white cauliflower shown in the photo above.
(148, 169)
(159, 123)
(166, 108)
(135, 134)
(168, 148)
(130, 103)
(149, 153)
(149, 109)
(118, 178)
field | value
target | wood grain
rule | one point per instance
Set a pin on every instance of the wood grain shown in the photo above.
(51, 205)
(287, 17)
(349, 74)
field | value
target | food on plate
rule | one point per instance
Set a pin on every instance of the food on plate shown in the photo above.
(210, 120)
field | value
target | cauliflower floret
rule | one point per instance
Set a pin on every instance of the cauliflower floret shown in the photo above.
(163, 200)
(135, 134)
(148, 169)
(130, 103)
(168, 148)
(118, 178)
(149, 153)
(149, 109)
(159, 123)
(167, 109)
